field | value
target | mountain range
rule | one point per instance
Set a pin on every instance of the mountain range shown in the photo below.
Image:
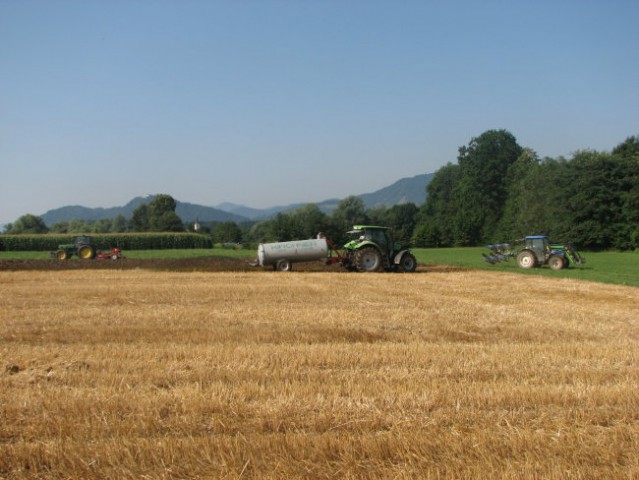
(405, 190)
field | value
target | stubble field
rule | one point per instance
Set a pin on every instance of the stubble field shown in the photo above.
(111, 373)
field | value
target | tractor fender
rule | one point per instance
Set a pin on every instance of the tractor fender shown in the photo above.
(399, 255)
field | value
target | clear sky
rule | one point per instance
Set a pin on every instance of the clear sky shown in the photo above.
(271, 102)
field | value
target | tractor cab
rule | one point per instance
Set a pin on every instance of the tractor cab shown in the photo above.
(539, 245)
(377, 235)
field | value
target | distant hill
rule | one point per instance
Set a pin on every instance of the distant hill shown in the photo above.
(77, 212)
(255, 213)
(405, 190)
(326, 206)
(188, 212)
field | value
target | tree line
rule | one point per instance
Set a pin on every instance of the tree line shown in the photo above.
(305, 222)
(500, 191)
(497, 191)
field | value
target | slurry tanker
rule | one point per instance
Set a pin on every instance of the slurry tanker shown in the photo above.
(372, 249)
(281, 255)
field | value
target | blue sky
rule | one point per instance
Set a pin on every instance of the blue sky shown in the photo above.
(273, 102)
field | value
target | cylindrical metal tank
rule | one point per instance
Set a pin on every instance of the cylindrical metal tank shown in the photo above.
(295, 251)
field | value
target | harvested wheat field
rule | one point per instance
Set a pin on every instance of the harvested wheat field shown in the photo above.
(128, 374)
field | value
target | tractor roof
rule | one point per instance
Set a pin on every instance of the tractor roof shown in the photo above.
(536, 236)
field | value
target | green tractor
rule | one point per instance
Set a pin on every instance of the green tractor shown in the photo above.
(536, 251)
(373, 249)
(82, 246)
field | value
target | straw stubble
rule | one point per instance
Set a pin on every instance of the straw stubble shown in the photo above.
(138, 374)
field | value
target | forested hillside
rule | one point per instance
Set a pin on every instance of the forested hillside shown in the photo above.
(500, 191)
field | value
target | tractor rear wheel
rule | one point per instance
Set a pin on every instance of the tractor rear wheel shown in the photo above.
(526, 259)
(556, 262)
(86, 252)
(368, 259)
(408, 263)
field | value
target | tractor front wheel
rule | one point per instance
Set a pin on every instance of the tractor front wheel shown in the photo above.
(556, 262)
(526, 259)
(368, 259)
(62, 255)
(408, 263)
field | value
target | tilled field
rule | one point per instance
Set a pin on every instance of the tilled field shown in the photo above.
(201, 264)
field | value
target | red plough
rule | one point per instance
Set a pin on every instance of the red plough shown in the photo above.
(113, 254)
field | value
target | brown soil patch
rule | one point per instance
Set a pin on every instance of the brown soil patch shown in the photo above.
(200, 264)
(203, 264)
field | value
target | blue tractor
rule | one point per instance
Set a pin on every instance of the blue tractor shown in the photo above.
(535, 251)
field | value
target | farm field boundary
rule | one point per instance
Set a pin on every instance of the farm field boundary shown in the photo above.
(620, 268)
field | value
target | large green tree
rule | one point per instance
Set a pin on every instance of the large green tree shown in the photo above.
(227, 232)
(628, 153)
(162, 215)
(157, 216)
(628, 149)
(27, 224)
(434, 226)
(521, 214)
(402, 218)
(139, 221)
(483, 187)
(118, 224)
(282, 228)
(309, 220)
(599, 189)
(349, 211)
(465, 202)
